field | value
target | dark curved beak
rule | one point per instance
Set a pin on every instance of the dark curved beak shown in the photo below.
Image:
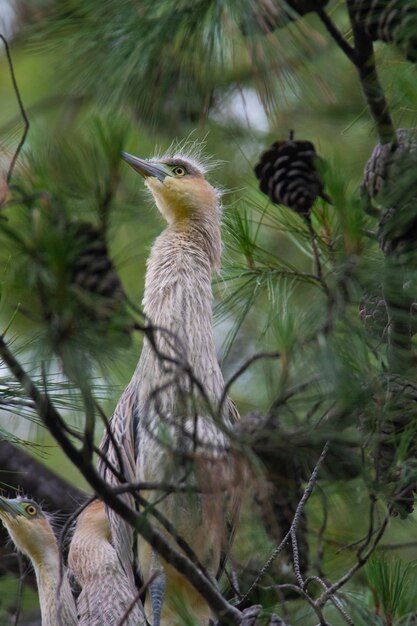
(146, 168)
(8, 506)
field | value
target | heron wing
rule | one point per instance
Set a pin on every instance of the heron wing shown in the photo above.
(233, 498)
(119, 447)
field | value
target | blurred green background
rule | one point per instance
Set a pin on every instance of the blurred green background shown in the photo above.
(94, 79)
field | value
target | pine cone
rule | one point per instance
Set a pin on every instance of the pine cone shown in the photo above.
(383, 156)
(287, 174)
(391, 21)
(93, 271)
(389, 177)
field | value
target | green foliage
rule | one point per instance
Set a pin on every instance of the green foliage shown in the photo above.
(312, 294)
(62, 200)
(391, 581)
(183, 57)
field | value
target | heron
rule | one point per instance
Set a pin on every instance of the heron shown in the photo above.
(171, 423)
(31, 532)
(107, 594)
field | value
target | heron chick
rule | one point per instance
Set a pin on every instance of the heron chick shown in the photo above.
(107, 594)
(32, 534)
(169, 418)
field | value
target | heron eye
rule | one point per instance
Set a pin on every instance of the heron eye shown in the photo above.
(179, 171)
(30, 509)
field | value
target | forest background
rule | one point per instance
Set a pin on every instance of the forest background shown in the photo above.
(333, 295)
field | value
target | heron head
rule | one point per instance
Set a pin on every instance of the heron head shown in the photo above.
(27, 525)
(178, 187)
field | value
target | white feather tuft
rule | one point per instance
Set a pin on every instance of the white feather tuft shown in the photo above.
(192, 150)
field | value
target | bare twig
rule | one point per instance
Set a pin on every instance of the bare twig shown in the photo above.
(137, 598)
(53, 421)
(362, 56)
(336, 34)
(22, 109)
(307, 493)
(242, 369)
(374, 94)
(306, 597)
(325, 596)
(320, 535)
(113, 442)
(167, 487)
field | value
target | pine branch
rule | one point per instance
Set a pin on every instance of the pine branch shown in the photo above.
(22, 473)
(372, 89)
(362, 56)
(336, 34)
(21, 107)
(293, 529)
(54, 423)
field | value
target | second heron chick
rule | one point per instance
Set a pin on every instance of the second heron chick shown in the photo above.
(31, 532)
(108, 597)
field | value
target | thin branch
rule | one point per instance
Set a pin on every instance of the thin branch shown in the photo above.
(290, 393)
(150, 507)
(53, 421)
(168, 487)
(22, 109)
(303, 594)
(137, 598)
(362, 56)
(320, 535)
(294, 524)
(296, 557)
(325, 596)
(336, 34)
(63, 536)
(397, 546)
(242, 369)
(316, 255)
(113, 442)
(335, 601)
(374, 94)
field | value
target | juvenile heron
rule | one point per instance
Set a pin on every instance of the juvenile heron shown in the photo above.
(32, 534)
(107, 594)
(169, 424)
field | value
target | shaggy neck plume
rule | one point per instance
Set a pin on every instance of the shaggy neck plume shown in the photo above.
(178, 297)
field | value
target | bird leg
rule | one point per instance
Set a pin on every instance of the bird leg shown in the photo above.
(156, 588)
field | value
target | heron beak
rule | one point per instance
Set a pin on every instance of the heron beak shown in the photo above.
(146, 168)
(9, 506)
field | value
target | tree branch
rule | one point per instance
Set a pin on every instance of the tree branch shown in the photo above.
(293, 529)
(21, 472)
(336, 34)
(22, 109)
(374, 94)
(54, 422)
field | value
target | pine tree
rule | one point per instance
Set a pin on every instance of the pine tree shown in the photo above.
(317, 297)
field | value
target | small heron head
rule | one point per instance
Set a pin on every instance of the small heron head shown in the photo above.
(178, 186)
(27, 525)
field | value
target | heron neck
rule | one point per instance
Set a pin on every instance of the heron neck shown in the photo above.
(178, 295)
(55, 595)
(180, 267)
